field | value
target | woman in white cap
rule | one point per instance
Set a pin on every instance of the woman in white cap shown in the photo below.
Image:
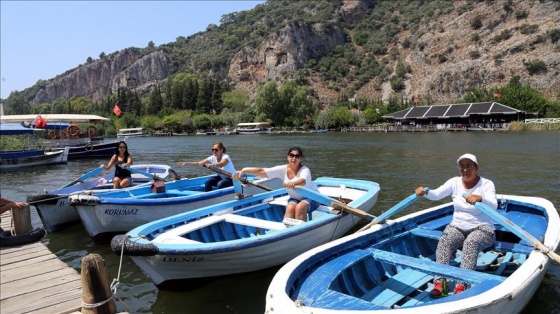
(470, 228)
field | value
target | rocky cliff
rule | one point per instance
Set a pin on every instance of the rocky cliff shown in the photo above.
(485, 45)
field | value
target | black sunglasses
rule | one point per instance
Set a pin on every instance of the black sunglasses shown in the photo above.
(214, 149)
(294, 155)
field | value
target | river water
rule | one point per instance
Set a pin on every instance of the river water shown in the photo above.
(524, 163)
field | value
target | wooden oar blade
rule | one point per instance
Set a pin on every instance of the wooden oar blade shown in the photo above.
(325, 200)
(515, 229)
(84, 177)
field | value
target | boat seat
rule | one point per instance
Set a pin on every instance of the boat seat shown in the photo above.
(173, 234)
(397, 287)
(182, 192)
(283, 201)
(254, 222)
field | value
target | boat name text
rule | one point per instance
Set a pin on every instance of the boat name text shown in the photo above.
(121, 212)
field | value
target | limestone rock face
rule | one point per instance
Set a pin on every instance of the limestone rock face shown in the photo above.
(126, 68)
(287, 51)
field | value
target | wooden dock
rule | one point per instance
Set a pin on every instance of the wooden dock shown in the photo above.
(34, 280)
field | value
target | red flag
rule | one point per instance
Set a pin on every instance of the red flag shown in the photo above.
(117, 110)
(416, 100)
(40, 122)
(497, 95)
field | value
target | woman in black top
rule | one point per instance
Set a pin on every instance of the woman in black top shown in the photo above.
(123, 177)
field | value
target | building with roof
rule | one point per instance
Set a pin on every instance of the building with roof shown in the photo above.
(491, 115)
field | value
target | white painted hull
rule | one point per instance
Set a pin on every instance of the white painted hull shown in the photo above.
(49, 158)
(180, 258)
(120, 218)
(242, 259)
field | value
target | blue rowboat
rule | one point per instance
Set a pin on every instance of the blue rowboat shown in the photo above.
(389, 268)
(240, 235)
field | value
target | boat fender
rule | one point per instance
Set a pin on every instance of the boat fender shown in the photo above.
(82, 199)
(132, 248)
(89, 147)
(52, 134)
(91, 131)
(73, 130)
(45, 197)
(7, 239)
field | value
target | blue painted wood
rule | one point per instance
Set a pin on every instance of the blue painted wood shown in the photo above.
(485, 260)
(401, 287)
(504, 262)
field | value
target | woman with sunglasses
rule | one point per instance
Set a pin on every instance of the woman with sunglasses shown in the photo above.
(219, 159)
(292, 174)
(470, 229)
(122, 159)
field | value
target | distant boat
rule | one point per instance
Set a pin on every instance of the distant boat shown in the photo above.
(390, 267)
(62, 130)
(22, 158)
(254, 128)
(132, 132)
(241, 235)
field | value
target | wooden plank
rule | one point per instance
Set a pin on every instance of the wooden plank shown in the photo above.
(401, 287)
(484, 261)
(34, 280)
(504, 263)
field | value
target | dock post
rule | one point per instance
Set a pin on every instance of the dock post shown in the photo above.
(96, 291)
(21, 218)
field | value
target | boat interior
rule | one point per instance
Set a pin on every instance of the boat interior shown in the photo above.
(395, 267)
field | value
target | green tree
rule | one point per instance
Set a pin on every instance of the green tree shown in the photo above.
(235, 100)
(268, 103)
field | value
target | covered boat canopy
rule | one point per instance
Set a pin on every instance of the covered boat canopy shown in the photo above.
(69, 118)
(16, 129)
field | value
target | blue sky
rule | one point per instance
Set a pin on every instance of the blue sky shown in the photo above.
(41, 39)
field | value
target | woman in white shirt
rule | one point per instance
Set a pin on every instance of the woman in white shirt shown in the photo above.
(293, 174)
(218, 159)
(470, 229)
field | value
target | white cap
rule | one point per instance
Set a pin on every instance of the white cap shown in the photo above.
(468, 156)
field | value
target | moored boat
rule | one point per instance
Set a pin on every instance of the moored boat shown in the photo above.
(240, 235)
(389, 268)
(132, 132)
(120, 211)
(249, 128)
(57, 214)
(63, 130)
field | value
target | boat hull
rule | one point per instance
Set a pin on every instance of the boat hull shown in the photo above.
(55, 211)
(10, 161)
(312, 282)
(241, 237)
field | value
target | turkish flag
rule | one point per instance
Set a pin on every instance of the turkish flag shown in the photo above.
(40, 122)
(497, 95)
(117, 110)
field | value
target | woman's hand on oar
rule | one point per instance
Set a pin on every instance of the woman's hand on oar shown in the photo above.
(84, 177)
(230, 175)
(515, 229)
(323, 199)
(393, 210)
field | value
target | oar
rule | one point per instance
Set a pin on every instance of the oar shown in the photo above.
(229, 175)
(323, 199)
(393, 210)
(84, 177)
(515, 229)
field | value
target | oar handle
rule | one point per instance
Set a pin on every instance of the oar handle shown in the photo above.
(230, 175)
(393, 210)
(515, 229)
(84, 177)
(324, 199)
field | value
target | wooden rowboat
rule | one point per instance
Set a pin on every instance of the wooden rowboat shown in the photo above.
(389, 268)
(241, 235)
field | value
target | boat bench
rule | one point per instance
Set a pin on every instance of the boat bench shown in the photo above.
(283, 201)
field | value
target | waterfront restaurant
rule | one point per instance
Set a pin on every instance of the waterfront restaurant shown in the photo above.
(471, 116)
